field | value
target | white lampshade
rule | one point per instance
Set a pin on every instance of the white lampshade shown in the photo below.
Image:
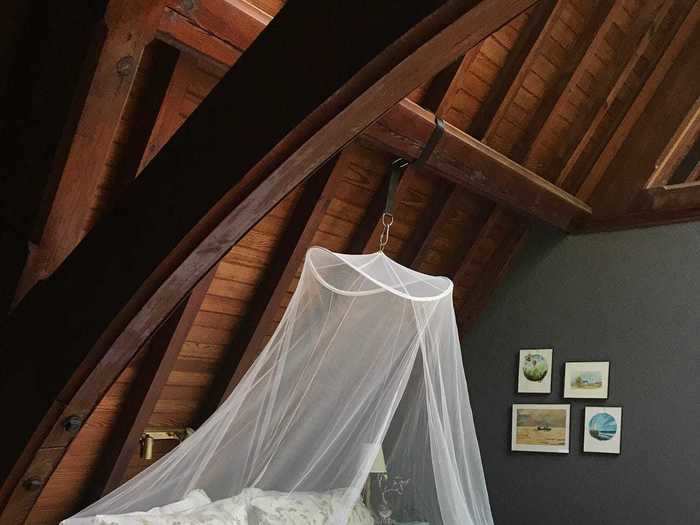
(379, 465)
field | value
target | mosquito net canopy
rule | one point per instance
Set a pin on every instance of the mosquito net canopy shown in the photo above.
(365, 360)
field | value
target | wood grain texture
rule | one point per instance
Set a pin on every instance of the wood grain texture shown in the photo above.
(632, 116)
(160, 357)
(405, 129)
(368, 92)
(131, 25)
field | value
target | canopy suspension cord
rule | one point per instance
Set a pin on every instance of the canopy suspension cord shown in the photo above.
(398, 166)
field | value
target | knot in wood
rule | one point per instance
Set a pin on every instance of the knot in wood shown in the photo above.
(125, 65)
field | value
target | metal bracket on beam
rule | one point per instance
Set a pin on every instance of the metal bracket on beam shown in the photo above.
(398, 166)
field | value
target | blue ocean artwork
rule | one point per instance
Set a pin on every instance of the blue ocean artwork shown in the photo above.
(602, 427)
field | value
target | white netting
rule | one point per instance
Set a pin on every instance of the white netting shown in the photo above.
(366, 355)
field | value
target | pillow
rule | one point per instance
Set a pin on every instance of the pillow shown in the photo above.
(300, 508)
(303, 508)
(222, 512)
(194, 499)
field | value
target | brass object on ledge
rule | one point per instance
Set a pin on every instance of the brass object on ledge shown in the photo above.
(151, 435)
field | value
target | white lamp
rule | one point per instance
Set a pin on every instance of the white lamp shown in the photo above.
(378, 467)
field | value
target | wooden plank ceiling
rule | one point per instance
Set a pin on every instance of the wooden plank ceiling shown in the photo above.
(572, 103)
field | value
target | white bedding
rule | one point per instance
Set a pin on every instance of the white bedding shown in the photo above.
(250, 507)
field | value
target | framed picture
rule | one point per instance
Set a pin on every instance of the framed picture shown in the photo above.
(586, 380)
(602, 430)
(540, 428)
(535, 371)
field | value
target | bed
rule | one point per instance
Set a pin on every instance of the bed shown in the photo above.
(250, 507)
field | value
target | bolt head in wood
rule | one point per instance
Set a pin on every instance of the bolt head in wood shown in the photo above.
(188, 5)
(125, 65)
(32, 484)
(72, 423)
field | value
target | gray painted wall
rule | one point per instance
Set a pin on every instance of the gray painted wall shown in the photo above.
(632, 298)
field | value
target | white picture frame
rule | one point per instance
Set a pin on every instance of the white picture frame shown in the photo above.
(602, 430)
(586, 380)
(535, 371)
(541, 428)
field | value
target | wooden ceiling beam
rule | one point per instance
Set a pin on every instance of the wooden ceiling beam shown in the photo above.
(134, 267)
(415, 250)
(573, 168)
(640, 102)
(160, 356)
(501, 223)
(499, 241)
(404, 130)
(448, 201)
(568, 78)
(131, 25)
(660, 205)
(539, 19)
(682, 142)
(177, 30)
(279, 275)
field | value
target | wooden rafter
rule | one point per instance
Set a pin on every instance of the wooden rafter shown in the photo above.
(131, 25)
(177, 228)
(289, 256)
(500, 222)
(568, 77)
(682, 142)
(640, 102)
(516, 58)
(460, 158)
(160, 356)
(479, 126)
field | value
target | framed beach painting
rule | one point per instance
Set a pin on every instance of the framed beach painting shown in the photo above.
(535, 371)
(586, 380)
(603, 429)
(540, 428)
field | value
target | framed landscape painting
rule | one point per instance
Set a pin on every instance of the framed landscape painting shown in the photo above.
(540, 428)
(535, 371)
(602, 430)
(586, 380)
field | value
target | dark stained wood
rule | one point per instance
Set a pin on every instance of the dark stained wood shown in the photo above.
(596, 28)
(217, 30)
(506, 246)
(365, 237)
(439, 86)
(133, 268)
(47, 54)
(289, 256)
(663, 205)
(131, 25)
(685, 196)
(178, 31)
(445, 205)
(516, 58)
(161, 354)
(650, 123)
(652, 79)
(500, 223)
(235, 21)
(405, 129)
(684, 139)
(424, 235)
